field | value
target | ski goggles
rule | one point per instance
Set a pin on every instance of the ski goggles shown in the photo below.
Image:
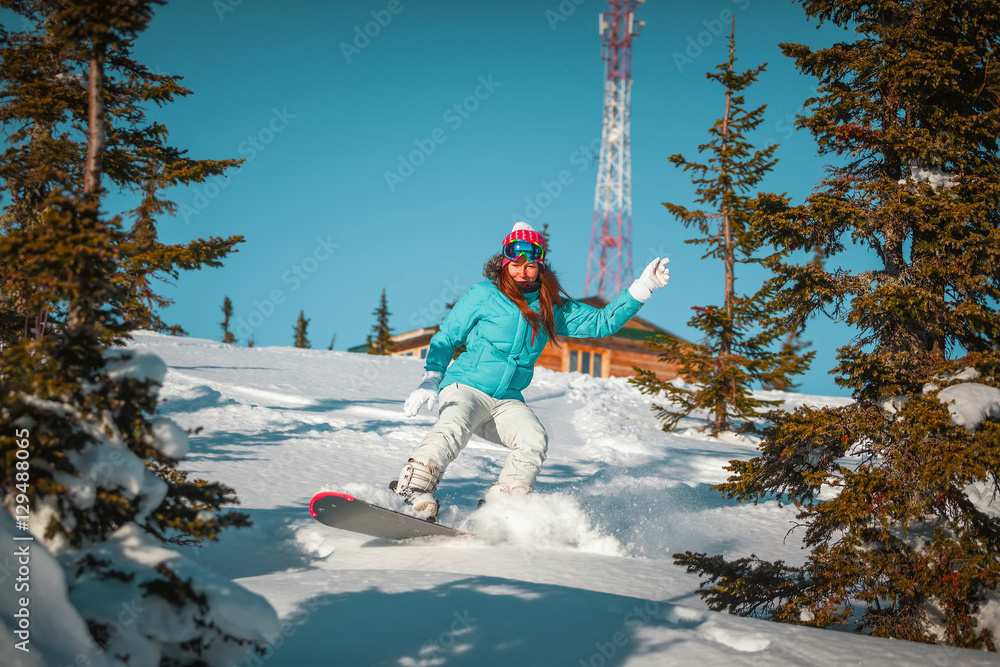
(531, 252)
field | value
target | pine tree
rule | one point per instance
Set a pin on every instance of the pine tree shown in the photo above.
(900, 538)
(63, 73)
(102, 461)
(300, 331)
(380, 339)
(739, 334)
(227, 313)
(792, 345)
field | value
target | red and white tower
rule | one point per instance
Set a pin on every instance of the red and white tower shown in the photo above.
(610, 264)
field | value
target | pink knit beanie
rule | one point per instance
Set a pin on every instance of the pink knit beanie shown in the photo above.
(522, 231)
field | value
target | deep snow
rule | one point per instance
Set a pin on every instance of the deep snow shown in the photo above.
(579, 573)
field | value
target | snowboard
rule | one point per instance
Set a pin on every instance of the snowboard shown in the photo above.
(339, 510)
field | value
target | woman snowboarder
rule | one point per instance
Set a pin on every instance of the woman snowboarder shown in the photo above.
(504, 323)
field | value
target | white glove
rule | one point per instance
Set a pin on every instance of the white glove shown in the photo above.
(426, 392)
(653, 277)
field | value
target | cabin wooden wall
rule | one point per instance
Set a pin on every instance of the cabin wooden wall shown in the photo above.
(618, 357)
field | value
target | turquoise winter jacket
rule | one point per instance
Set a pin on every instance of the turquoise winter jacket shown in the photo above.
(500, 346)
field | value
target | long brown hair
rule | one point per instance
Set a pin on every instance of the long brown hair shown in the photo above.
(549, 295)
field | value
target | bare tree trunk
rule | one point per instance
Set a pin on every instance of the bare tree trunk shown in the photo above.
(727, 231)
(95, 154)
(728, 255)
(95, 122)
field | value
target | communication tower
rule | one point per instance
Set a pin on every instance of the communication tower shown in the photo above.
(609, 265)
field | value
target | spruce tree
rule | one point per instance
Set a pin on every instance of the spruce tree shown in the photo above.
(901, 538)
(102, 462)
(227, 313)
(793, 344)
(380, 339)
(75, 109)
(300, 331)
(736, 352)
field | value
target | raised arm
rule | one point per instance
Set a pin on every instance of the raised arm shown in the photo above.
(578, 320)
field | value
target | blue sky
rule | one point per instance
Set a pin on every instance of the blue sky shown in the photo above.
(391, 145)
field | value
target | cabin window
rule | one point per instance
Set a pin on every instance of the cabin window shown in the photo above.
(585, 362)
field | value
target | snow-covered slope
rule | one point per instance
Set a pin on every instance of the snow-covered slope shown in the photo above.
(578, 574)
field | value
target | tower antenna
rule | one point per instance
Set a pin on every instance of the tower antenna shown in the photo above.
(609, 265)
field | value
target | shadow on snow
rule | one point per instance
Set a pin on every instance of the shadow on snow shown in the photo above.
(473, 621)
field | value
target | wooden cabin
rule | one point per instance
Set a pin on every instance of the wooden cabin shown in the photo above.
(612, 355)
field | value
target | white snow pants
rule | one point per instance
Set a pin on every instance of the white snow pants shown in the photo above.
(466, 411)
